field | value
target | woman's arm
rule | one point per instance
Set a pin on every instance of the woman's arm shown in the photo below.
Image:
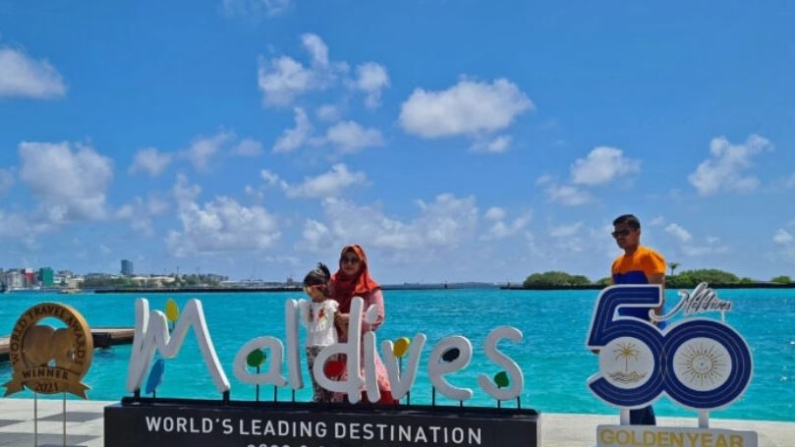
(374, 298)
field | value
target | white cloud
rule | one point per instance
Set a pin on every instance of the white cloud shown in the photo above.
(495, 213)
(371, 78)
(495, 146)
(294, 138)
(71, 185)
(248, 148)
(602, 165)
(150, 161)
(272, 179)
(678, 232)
(784, 183)
(157, 205)
(443, 224)
(785, 246)
(6, 180)
(351, 137)
(564, 231)
(140, 212)
(283, 79)
(185, 193)
(22, 76)
(126, 211)
(657, 221)
(329, 184)
(14, 225)
(711, 247)
(568, 195)
(704, 250)
(544, 180)
(782, 237)
(221, 225)
(255, 193)
(724, 170)
(568, 238)
(502, 230)
(254, 9)
(204, 148)
(467, 108)
(328, 112)
(316, 237)
(347, 136)
(317, 48)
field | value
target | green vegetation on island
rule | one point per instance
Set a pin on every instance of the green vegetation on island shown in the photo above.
(684, 279)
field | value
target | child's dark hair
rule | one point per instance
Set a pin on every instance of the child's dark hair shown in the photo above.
(319, 276)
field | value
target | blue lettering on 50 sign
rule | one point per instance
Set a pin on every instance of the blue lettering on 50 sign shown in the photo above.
(699, 363)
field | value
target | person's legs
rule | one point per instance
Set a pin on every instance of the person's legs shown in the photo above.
(642, 416)
(318, 394)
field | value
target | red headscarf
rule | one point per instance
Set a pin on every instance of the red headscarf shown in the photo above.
(345, 287)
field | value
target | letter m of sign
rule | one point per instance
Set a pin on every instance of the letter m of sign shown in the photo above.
(151, 332)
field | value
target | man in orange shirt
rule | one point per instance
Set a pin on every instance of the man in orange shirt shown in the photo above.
(638, 265)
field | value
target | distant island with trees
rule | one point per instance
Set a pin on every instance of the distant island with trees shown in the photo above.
(550, 280)
(685, 279)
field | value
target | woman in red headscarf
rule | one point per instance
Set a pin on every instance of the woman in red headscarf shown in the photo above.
(352, 280)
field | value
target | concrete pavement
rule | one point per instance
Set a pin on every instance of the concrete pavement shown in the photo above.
(84, 425)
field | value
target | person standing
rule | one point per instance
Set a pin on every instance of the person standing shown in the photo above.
(638, 265)
(317, 316)
(353, 280)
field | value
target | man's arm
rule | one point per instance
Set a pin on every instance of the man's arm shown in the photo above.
(659, 278)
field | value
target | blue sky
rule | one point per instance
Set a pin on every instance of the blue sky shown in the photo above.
(454, 140)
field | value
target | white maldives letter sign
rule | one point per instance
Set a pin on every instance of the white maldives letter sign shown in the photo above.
(151, 333)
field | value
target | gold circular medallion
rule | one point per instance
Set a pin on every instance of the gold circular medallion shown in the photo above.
(48, 360)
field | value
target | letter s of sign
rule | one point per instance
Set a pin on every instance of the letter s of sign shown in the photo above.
(511, 368)
(693, 340)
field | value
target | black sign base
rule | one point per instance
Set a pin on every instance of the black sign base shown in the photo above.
(202, 423)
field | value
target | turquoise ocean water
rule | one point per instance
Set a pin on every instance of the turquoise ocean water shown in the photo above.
(552, 355)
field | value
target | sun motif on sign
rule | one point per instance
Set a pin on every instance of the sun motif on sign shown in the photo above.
(703, 364)
(626, 351)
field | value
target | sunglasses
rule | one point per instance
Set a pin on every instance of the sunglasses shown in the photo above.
(622, 233)
(309, 289)
(350, 260)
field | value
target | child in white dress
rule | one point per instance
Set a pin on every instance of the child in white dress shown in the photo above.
(317, 316)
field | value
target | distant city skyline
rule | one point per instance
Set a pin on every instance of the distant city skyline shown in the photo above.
(455, 141)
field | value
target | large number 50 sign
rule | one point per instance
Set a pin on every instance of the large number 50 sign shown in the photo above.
(699, 363)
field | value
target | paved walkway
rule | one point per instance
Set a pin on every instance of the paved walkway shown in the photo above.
(84, 426)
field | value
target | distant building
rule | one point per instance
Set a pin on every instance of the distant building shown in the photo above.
(15, 279)
(46, 276)
(29, 277)
(127, 268)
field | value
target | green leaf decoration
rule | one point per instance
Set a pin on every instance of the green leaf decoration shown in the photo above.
(255, 358)
(501, 379)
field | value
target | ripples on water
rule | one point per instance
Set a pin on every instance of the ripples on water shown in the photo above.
(555, 362)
